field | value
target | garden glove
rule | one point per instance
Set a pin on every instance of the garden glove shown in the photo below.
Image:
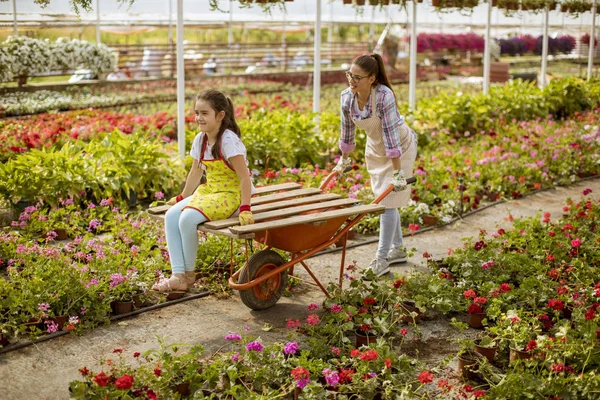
(245, 217)
(175, 200)
(399, 181)
(343, 165)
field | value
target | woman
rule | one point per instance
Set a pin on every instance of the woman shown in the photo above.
(370, 104)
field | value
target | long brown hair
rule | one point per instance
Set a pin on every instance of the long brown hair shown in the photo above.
(373, 65)
(219, 102)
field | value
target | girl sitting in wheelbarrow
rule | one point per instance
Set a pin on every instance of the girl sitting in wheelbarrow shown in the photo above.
(370, 104)
(219, 152)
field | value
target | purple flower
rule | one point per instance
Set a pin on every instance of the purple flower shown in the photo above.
(301, 383)
(254, 346)
(91, 205)
(43, 306)
(51, 326)
(331, 377)
(235, 357)
(105, 202)
(234, 337)
(159, 195)
(116, 280)
(94, 224)
(291, 348)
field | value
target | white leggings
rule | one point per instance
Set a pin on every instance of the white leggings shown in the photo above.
(182, 235)
(390, 232)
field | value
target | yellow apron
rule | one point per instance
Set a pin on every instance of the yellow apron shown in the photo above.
(379, 165)
(220, 197)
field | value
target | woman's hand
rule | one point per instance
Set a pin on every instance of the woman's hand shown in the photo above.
(344, 164)
(245, 217)
(399, 181)
(175, 200)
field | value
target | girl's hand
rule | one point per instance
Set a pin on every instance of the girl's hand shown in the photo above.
(175, 200)
(246, 218)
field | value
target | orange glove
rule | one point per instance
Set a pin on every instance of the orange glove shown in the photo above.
(245, 217)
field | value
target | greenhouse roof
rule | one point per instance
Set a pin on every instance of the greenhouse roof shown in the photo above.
(197, 12)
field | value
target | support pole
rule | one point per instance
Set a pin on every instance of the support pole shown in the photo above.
(180, 82)
(412, 75)
(545, 47)
(98, 22)
(592, 41)
(317, 62)
(371, 29)
(284, 41)
(15, 30)
(230, 33)
(487, 50)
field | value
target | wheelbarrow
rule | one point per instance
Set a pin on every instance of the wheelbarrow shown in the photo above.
(299, 221)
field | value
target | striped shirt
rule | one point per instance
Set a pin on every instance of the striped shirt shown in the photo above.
(386, 109)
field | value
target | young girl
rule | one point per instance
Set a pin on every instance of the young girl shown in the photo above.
(370, 104)
(218, 151)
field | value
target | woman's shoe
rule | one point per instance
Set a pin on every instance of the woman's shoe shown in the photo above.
(396, 256)
(176, 283)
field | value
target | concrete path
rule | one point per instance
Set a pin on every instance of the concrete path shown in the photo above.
(43, 371)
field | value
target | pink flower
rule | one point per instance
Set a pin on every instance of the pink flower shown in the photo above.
(336, 308)
(312, 307)
(336, 351)
(404, 331)
(576, 242)
(291, 324)
(313, 319)
(587, 191)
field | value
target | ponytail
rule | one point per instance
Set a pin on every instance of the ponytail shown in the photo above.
(373, 65)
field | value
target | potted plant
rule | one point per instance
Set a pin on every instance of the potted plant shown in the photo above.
(469, 360)
(475, 314)
(487, 346)
(518, 332)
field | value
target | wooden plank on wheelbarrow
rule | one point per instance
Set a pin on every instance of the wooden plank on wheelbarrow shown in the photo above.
(225, 232)
(277, 188)
(295, 202)
(159, 209)
(224, 223)
(284, 195)
(306, 219)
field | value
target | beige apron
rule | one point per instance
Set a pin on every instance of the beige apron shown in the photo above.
(379, 164)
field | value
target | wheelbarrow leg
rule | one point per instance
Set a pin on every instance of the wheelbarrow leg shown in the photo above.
(344, 241)
(315, 279)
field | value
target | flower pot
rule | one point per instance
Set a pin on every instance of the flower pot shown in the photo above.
(429, 220)
(3, 341)
(466, 363)
(493, 196)
(435, 3)
(182, 388)
(475, 320)
(519, 354)
(347, 1)
(33, 324)
(121, 307)
(360, 2)
(61, 234)
(362, 339)
(61, 320)
(408, 307)
(487, 352)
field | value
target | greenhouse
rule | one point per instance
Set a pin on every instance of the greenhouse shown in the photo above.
(269, 199)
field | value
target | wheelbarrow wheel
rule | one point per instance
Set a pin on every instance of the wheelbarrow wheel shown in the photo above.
(266, 293)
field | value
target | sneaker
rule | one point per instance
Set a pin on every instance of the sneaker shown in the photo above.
(396, 256)
(379, 267)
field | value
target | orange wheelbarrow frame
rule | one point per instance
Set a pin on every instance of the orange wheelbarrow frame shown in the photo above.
(303, 241)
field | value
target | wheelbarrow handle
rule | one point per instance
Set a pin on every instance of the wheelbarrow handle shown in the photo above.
(329, 177)
(390, 188)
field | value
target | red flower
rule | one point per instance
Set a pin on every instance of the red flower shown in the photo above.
(84, 371)
(479, 393)
(399, 283)
(346, 375)
(101, 379)
(313, 319)
(388, 363)
(505, 287)
(117, 351)
(404, 331)
(151, 395)
(532, 345)
(369, 301)
(124, 383)
(554, 273)
(157, 371)
(354, 353)
(136, 354)
(365, 327)
(576, 242)
(556, 304)
(551, 234)
(300, 373)
(474, 309)
(550, 258)
(562, 290)
(369, 355)
(425, 377)
(590, 314)
(479, 245)
(480, 300)
(469, 294)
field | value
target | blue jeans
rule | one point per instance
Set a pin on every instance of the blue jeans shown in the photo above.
(390, 232)
(182, 236)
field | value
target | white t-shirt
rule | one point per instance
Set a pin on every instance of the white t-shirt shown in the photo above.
(231, 146)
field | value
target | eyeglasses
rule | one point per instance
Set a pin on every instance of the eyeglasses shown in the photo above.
(355, 78)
